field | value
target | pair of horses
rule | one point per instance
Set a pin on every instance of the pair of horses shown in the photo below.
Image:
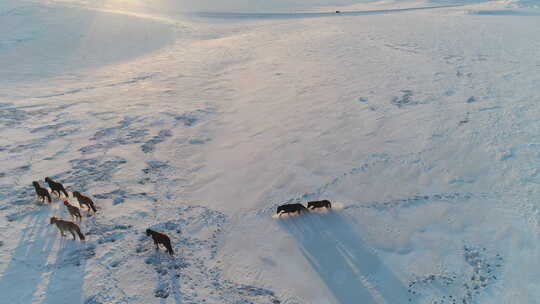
(67, 226)
(299, 208)
(43, 193)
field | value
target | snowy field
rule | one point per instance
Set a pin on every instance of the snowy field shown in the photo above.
(417, 119)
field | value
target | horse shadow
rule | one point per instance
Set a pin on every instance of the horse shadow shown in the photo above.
(23, 275)
(352, 271)
(175, 286)
(66, 281)
(168, 278)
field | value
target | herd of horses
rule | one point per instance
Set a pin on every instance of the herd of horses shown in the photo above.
(71, 227)
(58, 189)
(158, 237)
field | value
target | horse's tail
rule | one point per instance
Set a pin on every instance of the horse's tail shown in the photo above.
(91, 204)
(78, 230)
(169, 248)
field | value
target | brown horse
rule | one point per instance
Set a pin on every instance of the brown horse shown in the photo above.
(85, 200)
(160, 238)
(42, 193)
(74, 211)
(68, 226)
(56, 187)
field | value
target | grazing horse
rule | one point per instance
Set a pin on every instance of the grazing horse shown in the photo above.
(42, 193)
(289, 208)
(56, 187)
(319, 204)
(160, 238)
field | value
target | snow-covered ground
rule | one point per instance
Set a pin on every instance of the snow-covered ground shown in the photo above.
(419, 123)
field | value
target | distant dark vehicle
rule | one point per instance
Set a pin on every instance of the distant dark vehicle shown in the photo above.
(290, 208)
(42, 193)
(56, 187)
(319, 204)
(337, 12)
(160, 238)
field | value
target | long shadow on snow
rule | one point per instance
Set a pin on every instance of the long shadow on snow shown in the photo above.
(524, 13)
(167, 278)
(352, 272)
(175, 286)
(66, 282)
(21, 279)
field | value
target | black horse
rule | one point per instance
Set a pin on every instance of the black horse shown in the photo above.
(319, 204)
(56, 187)
(42, 193)
(158, 238)
(289, 208)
